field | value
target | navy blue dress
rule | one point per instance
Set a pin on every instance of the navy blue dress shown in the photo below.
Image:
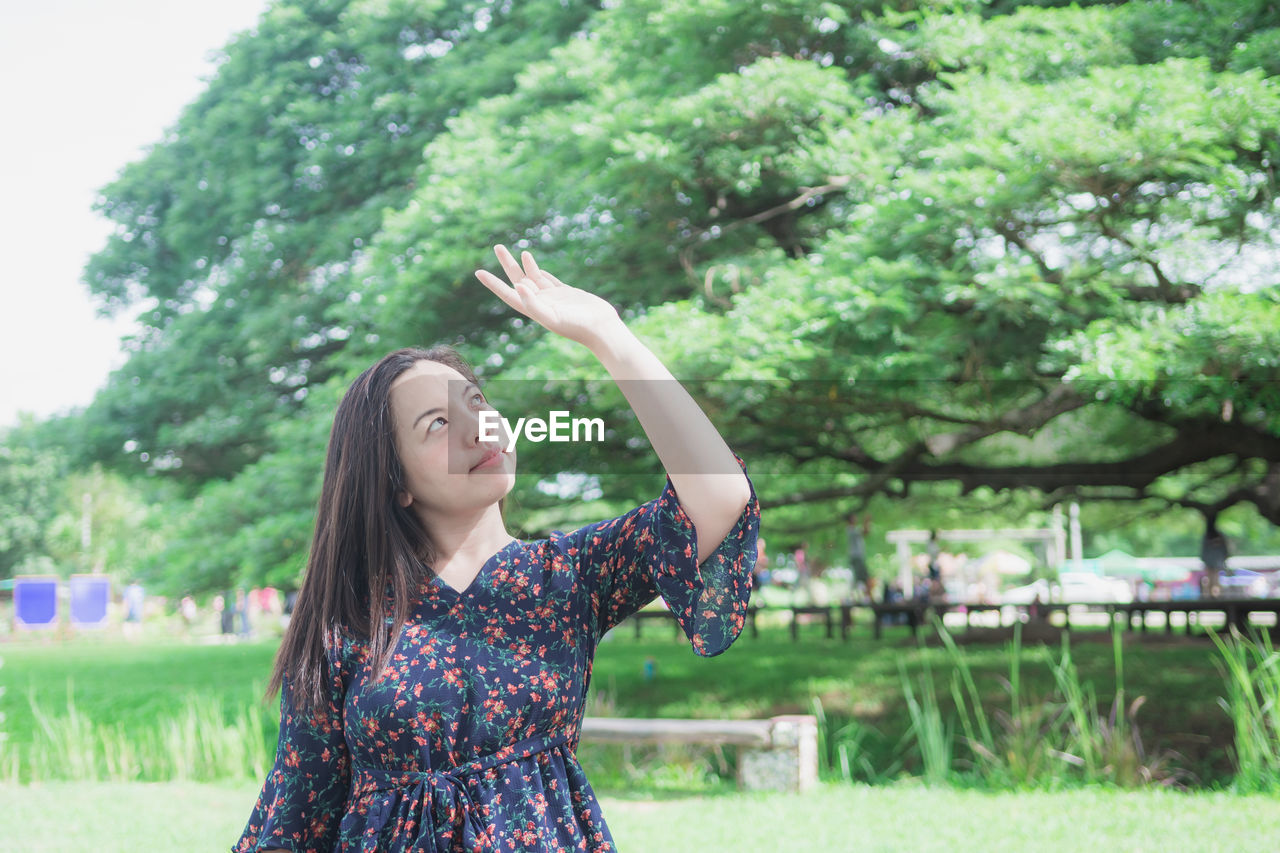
(467, 741)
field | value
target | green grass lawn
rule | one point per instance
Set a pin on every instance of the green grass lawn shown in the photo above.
(675, 799)
(134, 685)
(67, 817)
(859, 681)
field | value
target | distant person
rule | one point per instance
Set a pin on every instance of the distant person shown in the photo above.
(286, 614)
(134, 599)
(226, 614)
(922, 588)
(934, 552)
(242, 613)
(1214, 551)
(857, 533)
(893, 594)
(801, 558)
(187, 609)
(269, 600)
(816, 588)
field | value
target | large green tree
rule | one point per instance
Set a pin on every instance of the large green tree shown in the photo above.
(237, 233)
(1010, 252)
(28, 505)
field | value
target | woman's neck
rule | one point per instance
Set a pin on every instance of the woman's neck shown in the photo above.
(462, 542)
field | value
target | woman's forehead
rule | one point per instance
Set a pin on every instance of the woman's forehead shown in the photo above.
(426, 382)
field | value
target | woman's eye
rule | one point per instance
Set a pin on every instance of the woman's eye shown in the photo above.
(438, 423)
(477, 398)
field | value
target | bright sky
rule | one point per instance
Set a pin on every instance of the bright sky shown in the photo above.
(88, 85)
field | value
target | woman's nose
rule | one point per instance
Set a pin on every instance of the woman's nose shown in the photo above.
(469, 420)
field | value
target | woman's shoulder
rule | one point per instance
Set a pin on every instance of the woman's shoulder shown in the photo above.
(556, 545)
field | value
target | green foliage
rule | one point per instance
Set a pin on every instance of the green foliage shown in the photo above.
(237, 234)
(1251, 668)
(198, 744)
(933, 735)
(58, 520)
(28, 485)
(1040, 715)
(1052, 741)
(952, 261)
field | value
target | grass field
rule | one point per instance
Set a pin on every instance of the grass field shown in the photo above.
(673, 799)
(69, 817)
(133, 686)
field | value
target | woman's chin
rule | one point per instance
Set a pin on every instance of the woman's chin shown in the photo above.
(498, 483)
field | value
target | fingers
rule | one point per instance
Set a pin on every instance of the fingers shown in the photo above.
(526, 284)
(515, 273)
(509, 265)
(539, 276)
(501, 289)
(523, 297)
(531, 305)
(530, 265)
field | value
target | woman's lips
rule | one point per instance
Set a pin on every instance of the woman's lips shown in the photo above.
(490, 460)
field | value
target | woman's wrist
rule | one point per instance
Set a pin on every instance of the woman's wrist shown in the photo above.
(614, 345)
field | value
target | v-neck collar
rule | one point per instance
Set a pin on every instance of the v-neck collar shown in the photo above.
(444, 586)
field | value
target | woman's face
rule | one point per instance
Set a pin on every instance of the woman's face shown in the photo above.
(449, 471)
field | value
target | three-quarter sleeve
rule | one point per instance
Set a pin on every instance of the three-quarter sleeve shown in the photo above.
(305, 794)
(628, 561)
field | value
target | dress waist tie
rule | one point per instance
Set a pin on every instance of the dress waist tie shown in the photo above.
(444, 789)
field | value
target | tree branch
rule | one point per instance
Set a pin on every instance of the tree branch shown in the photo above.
(1165, 290)
(834, 183)
(1009, 231)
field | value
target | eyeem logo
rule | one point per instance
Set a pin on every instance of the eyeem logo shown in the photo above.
(560, 428)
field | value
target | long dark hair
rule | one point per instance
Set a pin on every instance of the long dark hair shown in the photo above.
(364, 539)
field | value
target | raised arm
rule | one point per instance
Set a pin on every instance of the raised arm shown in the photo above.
(712, 488)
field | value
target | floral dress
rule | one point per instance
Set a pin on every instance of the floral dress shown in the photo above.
(468, 742)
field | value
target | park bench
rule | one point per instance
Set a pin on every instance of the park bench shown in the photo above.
(1236, 611)
(778, 754)
(642, 616)
(823, 612)
(915, 613)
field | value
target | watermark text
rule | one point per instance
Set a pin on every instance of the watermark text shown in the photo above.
(560, 427)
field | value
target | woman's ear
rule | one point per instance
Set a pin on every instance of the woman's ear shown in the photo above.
(404, 499)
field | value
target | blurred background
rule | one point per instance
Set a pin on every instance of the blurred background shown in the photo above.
(1003, 271)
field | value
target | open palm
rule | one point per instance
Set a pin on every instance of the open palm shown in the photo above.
(548, 301)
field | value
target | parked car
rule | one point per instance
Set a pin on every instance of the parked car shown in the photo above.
(1244, 583)
(1072, 588)
(1085, 587)
(1027, 594)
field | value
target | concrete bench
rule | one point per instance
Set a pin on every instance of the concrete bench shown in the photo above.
(778, 754)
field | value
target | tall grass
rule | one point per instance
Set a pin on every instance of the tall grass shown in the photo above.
(5, 761)
(1109, 749)
(1252, 671)
(1046, 742)
(1017, 751)
(982, 732)
(843, 752)
(204, 741)
(934, 737)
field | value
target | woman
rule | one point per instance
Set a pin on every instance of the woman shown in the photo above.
(454, 725)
